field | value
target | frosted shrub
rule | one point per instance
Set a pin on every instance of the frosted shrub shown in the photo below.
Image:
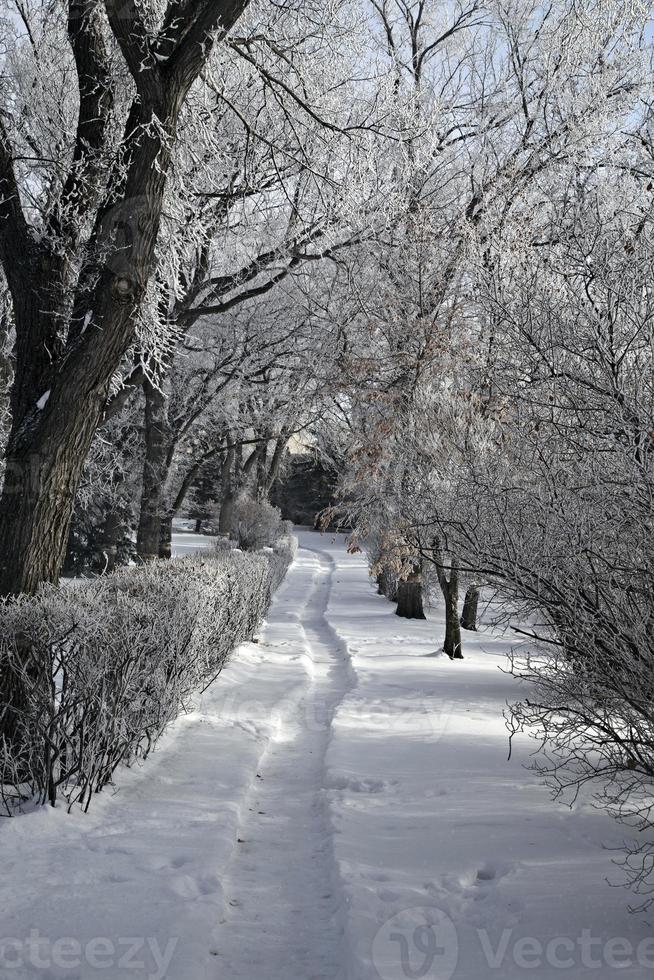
(222, 544)
(257, 523)
(284, 551)
(103, 667)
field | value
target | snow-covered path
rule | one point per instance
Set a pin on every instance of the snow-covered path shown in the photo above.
(284, 899)
(339, 806)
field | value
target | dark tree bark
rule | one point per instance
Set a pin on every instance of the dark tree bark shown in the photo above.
(276, 461)
(62, 378)
(6, 370)
(470, 605)
(235, 475)
(449, 584)
(227, 495)
(409, 597)
(452, 646)
(166, 536)
(157, 439)
(261, 471)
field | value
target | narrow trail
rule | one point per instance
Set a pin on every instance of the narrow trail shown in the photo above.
(284, 897)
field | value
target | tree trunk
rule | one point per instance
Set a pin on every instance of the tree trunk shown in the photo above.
(41, 480)
(166, 536)
(261, 471)
(198, 525)
(452, 644)
(227, 493)
(409, 597)
(276, 462)
(155, 472)
(470, 604)
(226, 519)
(6, 369)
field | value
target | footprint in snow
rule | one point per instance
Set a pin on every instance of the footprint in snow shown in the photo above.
(162, 864)
(486, 874)
(117, 879)
(187, 887)
(358, 785)
(388, 895)
(97, 848)
(491, 873)
(180, 861)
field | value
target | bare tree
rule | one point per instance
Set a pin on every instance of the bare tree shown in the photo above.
(78, 279)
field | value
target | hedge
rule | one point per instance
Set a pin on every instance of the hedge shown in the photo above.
(100, 668)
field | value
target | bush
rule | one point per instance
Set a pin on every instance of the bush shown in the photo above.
(257, 524)
(101, 668)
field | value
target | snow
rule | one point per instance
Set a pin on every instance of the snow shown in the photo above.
(338, 806)
(43, 400)
(191, 544)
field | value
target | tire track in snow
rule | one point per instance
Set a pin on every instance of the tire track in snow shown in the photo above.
(286, 916)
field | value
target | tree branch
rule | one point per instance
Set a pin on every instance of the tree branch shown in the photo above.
(200, 23)
(96, 99)
(131, 32)
(118, 401)
(189, 317)
(14, 230)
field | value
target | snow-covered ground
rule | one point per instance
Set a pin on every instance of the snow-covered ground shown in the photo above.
(187, 543)
(339, 807)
